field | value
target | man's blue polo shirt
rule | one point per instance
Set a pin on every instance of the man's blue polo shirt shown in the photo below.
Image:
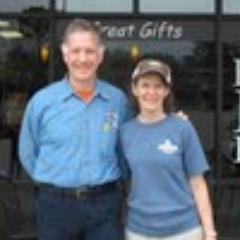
(67, 142)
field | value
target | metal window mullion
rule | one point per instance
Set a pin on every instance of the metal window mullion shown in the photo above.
(219, 82)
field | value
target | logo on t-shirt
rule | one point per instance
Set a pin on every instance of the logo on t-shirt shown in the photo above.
(168, 147)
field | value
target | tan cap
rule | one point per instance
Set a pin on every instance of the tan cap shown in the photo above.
(152, 66)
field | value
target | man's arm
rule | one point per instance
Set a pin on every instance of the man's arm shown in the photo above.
(28, 139)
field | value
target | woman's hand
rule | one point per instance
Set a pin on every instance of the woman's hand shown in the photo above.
(210, 235)
(182, 115)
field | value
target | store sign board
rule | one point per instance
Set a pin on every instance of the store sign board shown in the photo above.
(144, 31)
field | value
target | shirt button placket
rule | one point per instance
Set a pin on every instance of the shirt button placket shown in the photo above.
(87, 131)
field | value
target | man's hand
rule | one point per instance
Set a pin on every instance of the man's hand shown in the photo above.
(182, 115)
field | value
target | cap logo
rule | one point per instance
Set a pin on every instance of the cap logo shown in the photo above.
(157, 64)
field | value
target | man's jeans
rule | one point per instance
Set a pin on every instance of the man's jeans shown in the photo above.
(90, 218)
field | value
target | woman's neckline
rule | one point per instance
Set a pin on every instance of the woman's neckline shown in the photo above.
(149, 122)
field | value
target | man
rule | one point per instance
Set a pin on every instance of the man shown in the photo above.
(68, 144)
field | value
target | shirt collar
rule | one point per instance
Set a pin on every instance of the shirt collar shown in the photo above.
(67, 91)
(100, 90)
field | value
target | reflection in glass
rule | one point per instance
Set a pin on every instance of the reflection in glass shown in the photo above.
(94, 6)
(230, 99)
(231, 6)
(192, 62)
(231, 51)
(22, 72)
(23, 5)
(21, 69)
(172, 6)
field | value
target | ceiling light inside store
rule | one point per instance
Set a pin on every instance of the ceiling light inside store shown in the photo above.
(10, 34)
(4, 24)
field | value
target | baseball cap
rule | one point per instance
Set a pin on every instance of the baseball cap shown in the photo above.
(152, 66)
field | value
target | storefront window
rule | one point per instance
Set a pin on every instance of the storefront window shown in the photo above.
(94, 6)
(23, 70)
(231, 111)
(231, 6)
(23, 5)
(172, 6)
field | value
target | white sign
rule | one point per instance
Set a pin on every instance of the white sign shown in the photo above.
(237, 91)
(145, 30)
(237, 72)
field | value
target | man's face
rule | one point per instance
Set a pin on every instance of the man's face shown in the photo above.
(82, 53)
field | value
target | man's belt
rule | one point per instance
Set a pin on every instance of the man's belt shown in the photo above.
(81, 192)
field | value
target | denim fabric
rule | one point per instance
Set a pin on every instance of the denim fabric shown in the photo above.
(66, 218)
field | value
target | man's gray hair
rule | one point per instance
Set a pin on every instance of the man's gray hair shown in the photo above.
(82, 25)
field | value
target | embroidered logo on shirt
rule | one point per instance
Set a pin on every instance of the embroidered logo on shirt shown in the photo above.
(168, 147)
(110, 122)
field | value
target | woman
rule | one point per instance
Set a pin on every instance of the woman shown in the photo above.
(168, 197)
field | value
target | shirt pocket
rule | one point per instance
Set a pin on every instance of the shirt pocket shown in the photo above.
(108, 133)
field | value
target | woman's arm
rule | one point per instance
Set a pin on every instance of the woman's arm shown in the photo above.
(202, 199)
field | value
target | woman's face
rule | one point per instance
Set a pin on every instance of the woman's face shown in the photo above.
(150, 92)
